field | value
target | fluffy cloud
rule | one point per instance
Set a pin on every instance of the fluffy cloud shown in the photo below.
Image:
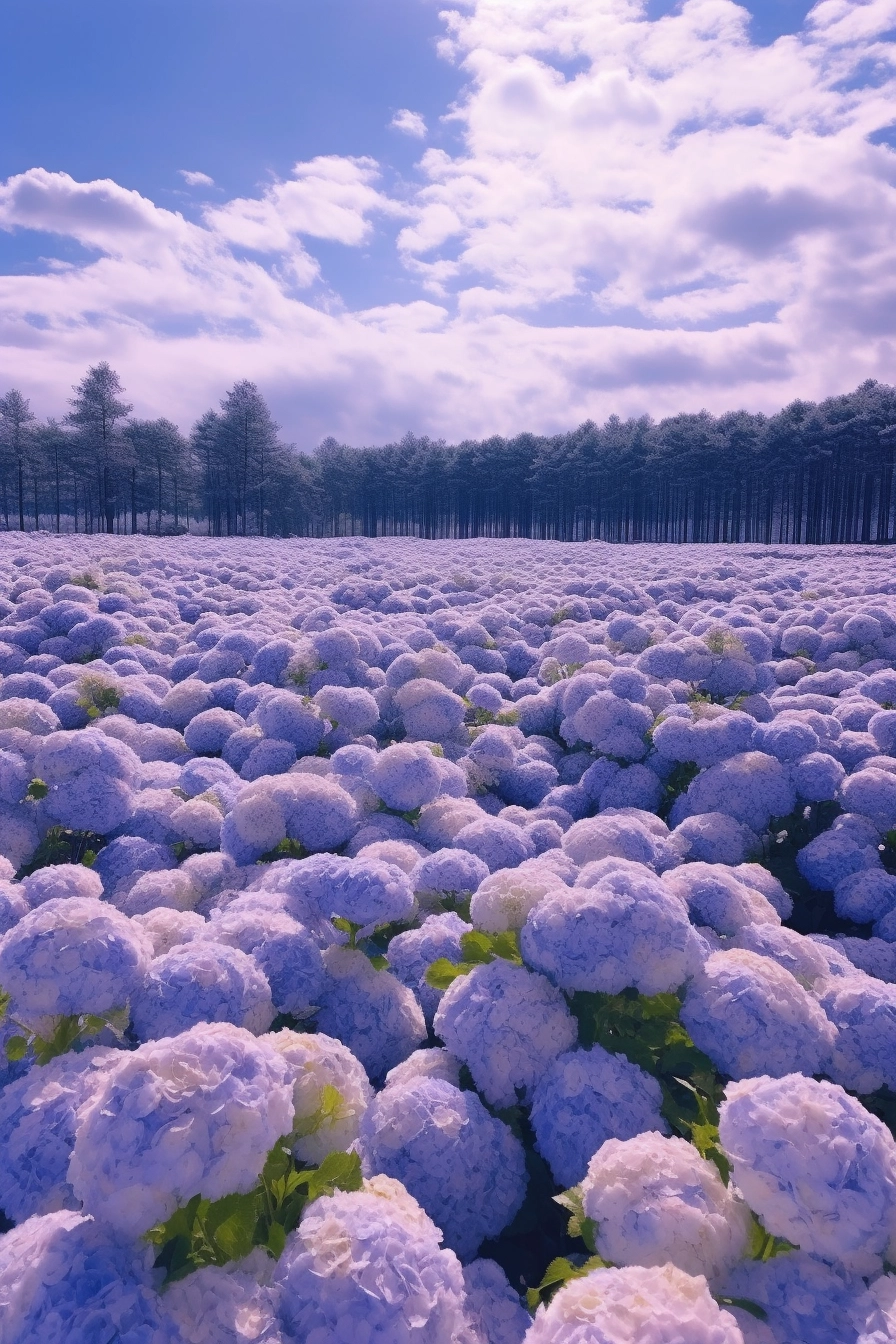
(642, 216)
(412, 123)
(196, 179)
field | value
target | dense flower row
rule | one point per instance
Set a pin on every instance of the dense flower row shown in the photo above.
(511, 868)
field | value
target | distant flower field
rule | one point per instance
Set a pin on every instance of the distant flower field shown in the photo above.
(412, 942)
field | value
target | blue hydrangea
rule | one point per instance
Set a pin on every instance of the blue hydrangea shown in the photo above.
(368, 892)
(499, 844)
(90, 777)
(586, 1097)
(405, 776)
(412, 953)
(715, 896)
(451, 874)
(314, 812)
(507, 1024)
(463, 1166)
(288, 718)
(815, 1165)
(65, 1279)
(38, 1118)
(865, 896)
(863, 1010)
(627, 931)
(225, 1304)
(803, 1298)
(752, 788)
(751, 1016)
(369, 1010)
(494, 1311)
(285, 951)
(120, 863)
(13, 905)
(202, 981)
(72, 956)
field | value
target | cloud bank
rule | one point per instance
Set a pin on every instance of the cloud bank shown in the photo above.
(640, 216)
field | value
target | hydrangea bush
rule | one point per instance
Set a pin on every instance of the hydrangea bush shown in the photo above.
(473, 942)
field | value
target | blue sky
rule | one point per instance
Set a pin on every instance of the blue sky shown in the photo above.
(457, 274)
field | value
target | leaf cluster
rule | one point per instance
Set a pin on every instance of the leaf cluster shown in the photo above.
(477, 949)
(69, 1033)
(214, 1232)
(647, 1030)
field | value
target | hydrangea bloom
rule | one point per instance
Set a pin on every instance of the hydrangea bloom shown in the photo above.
(72, 956)
(507, 1024)
(202, 981)
(194, 1114)
(448, 874)
(90, 776)
(657, 1201)
(59, 881)
(625, 931)
(65, 1279)
(505, 898)
(751, 1016)
(284, 950)
(497, 843)
(815, 1166)
(223, 1305)
(167, 929)
(368, 1262)
(586, 1097)
(752, 788)
(38, 1117)
(405, 776)
(463, 1166)
(369, 1010)
(318, 1061)
(434, 1062)
(315, 812)
(863, 1010)
(803, 1298)
(494, 1311)
(715, 896)
(412, 953)
(368, 892)
(627, 1306)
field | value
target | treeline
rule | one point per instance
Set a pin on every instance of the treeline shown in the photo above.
(812, 473)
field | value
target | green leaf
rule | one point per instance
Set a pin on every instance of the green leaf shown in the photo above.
(276, 1240)
(476, 948)
(764, 1246)
(745, 1304)
(338, 1171)
(379, 962)
(5, 1001)
(234, 1233)
(559, 1272)
(16, 1048)
(36, 790)
(443, 973)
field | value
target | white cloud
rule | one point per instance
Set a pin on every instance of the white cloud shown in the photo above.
(685, 220)
(196, 179)
(412, 123)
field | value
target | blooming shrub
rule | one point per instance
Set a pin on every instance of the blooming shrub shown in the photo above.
(497, 862)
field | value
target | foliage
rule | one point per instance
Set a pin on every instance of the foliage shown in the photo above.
(69, 1033)
(478, 950)
(61, 845)
(214, 1232)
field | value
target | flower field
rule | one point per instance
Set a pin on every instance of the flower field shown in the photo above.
(458, 942)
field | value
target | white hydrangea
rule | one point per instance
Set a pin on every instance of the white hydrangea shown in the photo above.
(317, 1061)
(751, 1016)
(167, 929)
(505, 898)
(427, 1063)
(507, 1024)
(193, 1114)
(815, 1166)
(657, 1201)
(634, 1305)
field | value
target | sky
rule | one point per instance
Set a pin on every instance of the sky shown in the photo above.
(510, 215)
